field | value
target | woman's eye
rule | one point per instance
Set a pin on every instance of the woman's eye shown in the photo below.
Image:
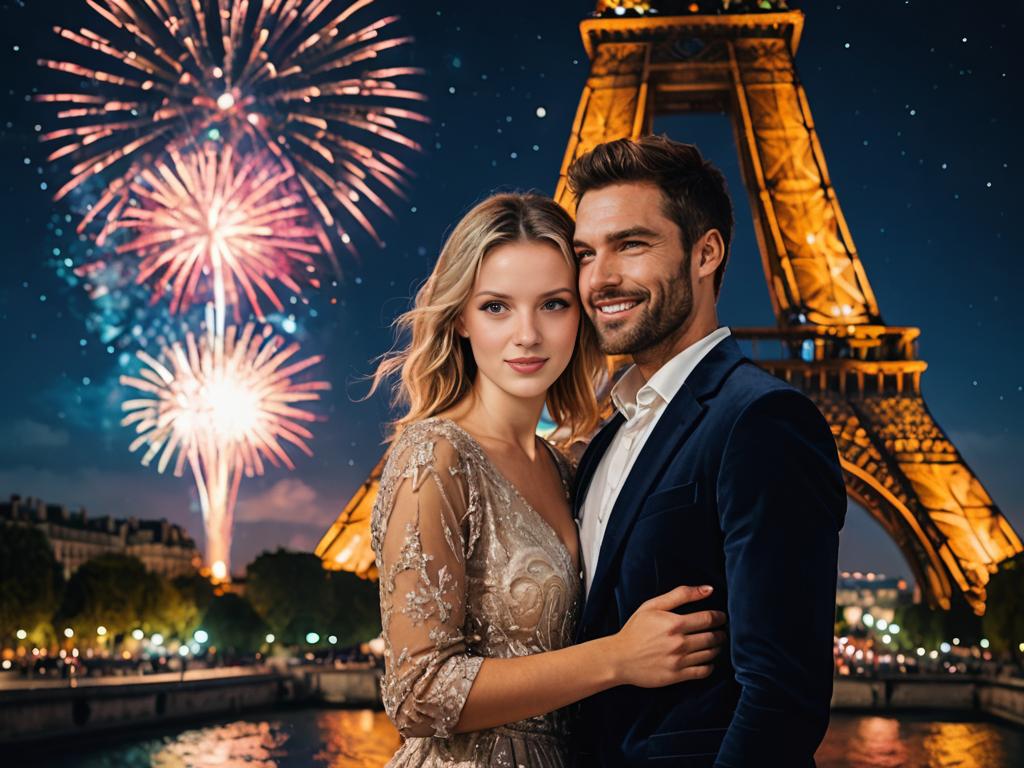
(493, 307)
(556, 304)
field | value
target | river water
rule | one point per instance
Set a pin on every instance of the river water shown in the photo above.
(332, 738)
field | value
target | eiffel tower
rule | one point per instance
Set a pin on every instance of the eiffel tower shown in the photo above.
(736, 57)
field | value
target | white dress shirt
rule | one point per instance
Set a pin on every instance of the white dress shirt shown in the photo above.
(642, 403)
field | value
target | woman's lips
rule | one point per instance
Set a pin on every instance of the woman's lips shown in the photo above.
(527, 364)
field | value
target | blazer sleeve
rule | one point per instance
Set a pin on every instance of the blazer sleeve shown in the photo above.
(781, 502)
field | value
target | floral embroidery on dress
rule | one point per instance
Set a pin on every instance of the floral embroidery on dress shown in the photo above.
(468, 571)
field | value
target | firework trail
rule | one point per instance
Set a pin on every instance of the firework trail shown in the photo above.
(299, 79)
(225, 405)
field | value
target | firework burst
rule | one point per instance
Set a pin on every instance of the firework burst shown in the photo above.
(209, 224)
(224, 405)
(298, 78)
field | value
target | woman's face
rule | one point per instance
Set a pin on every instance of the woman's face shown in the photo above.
(522, 317)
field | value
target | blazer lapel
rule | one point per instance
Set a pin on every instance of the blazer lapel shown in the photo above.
(677, 421)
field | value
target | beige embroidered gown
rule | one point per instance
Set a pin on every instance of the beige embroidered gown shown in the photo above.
(468, 570)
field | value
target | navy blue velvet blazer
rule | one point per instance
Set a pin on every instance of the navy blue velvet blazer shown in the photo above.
(738, 486)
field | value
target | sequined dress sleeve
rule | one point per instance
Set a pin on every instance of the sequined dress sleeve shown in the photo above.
(423, 531)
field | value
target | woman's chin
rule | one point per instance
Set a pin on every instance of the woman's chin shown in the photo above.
(526, 388)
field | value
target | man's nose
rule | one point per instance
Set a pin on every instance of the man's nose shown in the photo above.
(602, 273)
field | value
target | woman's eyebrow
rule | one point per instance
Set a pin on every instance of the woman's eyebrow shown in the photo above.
(499, 295)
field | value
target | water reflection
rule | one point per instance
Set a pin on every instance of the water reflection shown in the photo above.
(364, 741)
(258, 744)
(325, 738)
(887, 742)
(309, 738)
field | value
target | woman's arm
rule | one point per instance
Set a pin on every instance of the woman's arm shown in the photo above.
(654, 648)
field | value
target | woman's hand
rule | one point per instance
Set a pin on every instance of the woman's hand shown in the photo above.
(657, 647)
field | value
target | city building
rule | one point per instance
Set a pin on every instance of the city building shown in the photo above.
(858, 593)
(163, 547)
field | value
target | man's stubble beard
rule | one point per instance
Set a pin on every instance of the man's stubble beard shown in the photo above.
(656, 324)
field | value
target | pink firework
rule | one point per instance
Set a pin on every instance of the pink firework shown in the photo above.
(208, 223)
(299, 78)
(225, 405)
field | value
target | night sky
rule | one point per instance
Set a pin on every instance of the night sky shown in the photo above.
(917, 105)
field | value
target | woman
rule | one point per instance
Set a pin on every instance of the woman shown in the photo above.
(472, 528)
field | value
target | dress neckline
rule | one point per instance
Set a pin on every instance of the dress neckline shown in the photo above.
(563, 548)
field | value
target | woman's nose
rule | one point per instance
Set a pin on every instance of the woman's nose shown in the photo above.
(527, 333)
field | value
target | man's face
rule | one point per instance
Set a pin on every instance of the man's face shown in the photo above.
(634, 275)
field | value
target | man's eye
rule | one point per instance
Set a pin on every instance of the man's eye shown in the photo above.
(584, 255)
(493, 307)
(633, 244)
(555, 304)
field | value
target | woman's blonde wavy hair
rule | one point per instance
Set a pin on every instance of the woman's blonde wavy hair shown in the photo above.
(437, 367)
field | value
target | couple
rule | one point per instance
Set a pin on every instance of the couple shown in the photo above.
(678, 585)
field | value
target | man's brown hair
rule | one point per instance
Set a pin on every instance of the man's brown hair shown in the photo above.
(694, 191)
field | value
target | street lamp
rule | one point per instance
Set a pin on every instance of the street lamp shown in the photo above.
(101, 630)
(69, 632)
(157, 639)
(21, 634)
(332, 639)
(200, 636)
(138, 634)
(312, 638)
(270, 637)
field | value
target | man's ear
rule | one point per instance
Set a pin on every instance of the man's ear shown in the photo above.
(710, 252)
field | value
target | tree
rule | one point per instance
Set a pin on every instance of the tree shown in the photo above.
(110, 590)
(354, 608)
(196, 588)
(922, 626)
(170, 610)
(1003, 622)
(234, 627)
(31, 583)
(291, 592)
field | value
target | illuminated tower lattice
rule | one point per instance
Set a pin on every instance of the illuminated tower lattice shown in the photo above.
(830, 339)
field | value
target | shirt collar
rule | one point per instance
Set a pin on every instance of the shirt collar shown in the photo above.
(631, 394)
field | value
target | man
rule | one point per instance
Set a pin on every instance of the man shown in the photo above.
(711, 472)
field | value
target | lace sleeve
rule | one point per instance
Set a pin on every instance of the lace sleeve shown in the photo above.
(421, 540)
